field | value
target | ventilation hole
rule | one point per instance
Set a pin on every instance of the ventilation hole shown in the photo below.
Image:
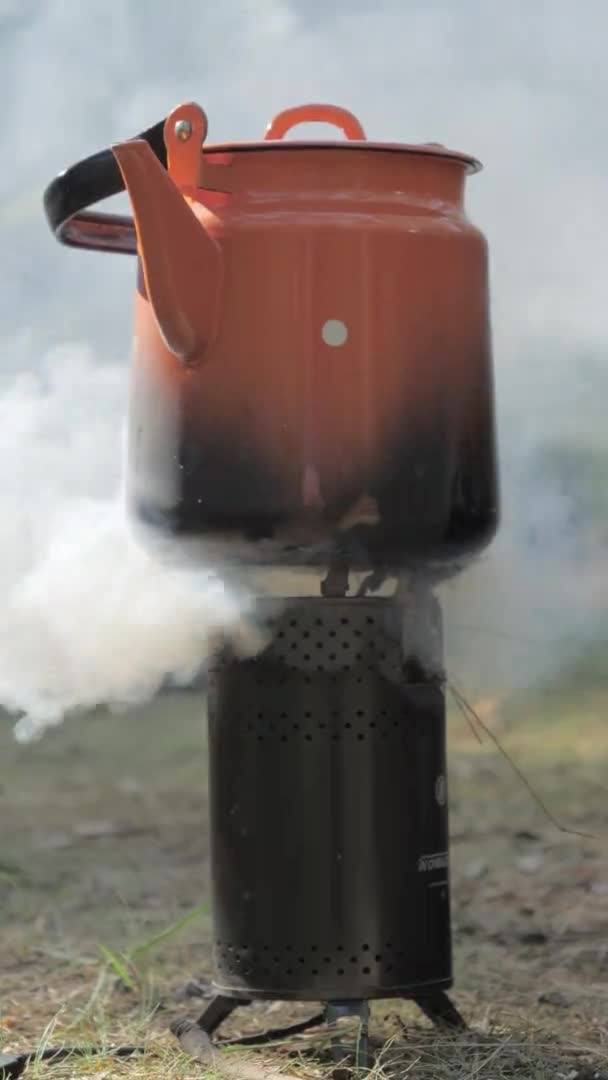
(315, 971)
(340, 971)
(314, 948)
(378, 958)
(348, 725)
(360, 712)
(366, 948)
(306, 634)
(367, 971)
(326, 960)
(322, 727)
(332, 633)
(260, 715)
(289, 971)
(372, 723)
(307, 680)
(388, 946)
(335, 713)
(318, 622)
(357, 633)
(296, 727)
(360, 737)
(332, 656)
(281, 634)
(283, 738)
(309, 738)
(344, 622)
(308, 714)
(353, 959)
(340, 948)
(346, 644)
(370, 620)
(266, 948)
(249, 727)
(307, 656)
(293, 622)
(319, 645)
(276, 960)
(289, 948)
(301, 960)
(260, 738)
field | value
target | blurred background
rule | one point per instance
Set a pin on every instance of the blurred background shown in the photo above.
(102, 830)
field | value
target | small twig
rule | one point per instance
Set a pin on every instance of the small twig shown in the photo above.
(472, 715)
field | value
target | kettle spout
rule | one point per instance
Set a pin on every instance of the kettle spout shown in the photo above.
(182, 263)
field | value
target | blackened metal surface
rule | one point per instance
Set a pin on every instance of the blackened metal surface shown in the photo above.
(435, 492)
(328, 811)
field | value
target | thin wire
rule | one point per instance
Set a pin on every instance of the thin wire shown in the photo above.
(473, 718)
(465, 714)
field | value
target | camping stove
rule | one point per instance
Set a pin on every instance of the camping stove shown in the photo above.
(328, 808)
(312, 400)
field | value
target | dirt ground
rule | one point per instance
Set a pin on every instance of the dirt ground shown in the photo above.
(103, 847)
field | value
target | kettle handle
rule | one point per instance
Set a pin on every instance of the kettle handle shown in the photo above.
(68, 197)
(315, 114)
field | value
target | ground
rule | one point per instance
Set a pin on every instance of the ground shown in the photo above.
(103, 848)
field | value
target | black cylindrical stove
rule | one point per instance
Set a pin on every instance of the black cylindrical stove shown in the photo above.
(328, 810)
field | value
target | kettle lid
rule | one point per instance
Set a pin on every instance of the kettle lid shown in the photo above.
(347, 123)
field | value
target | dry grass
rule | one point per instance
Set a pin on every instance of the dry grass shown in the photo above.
(102, 842)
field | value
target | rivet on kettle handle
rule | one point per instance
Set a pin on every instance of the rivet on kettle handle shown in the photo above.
(185, 132)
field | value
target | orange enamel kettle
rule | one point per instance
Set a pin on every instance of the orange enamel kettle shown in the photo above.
(312, 370)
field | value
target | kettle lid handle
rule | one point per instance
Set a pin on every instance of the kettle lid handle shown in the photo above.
(315, 114)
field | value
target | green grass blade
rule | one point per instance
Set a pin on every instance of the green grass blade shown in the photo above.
(118, 966)
(171, 931)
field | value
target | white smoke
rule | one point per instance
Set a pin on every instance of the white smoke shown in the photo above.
(87, 616)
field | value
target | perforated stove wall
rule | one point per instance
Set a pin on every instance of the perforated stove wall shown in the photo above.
(328, 811)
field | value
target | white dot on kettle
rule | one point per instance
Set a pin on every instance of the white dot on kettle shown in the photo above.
(334, 332)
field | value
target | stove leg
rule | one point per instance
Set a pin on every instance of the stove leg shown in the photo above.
(218, 1010)
(335, 1010)
(438, 1008)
